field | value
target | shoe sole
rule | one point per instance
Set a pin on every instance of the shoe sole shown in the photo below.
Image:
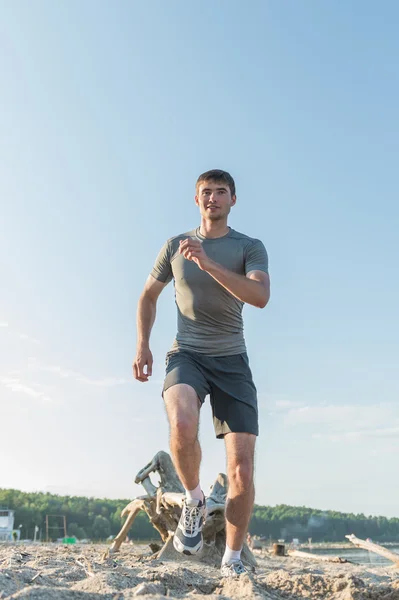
(182, 549)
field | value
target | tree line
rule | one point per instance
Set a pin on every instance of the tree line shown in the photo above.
(86, 518)
(99, 518)
(289, 522)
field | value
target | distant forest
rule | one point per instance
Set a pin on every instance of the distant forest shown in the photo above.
(97, 519)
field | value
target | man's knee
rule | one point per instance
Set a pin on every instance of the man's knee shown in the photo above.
(182, 407)
(183, 428)
(240, 474)
(240, 461)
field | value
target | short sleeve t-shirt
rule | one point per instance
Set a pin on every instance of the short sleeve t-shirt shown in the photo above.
(209, 317)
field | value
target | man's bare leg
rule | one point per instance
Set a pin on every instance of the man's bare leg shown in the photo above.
(182, 407)
(240, 450)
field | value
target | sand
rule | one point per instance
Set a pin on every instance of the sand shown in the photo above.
(84, 572)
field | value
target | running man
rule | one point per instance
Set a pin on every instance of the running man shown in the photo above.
(215, 270)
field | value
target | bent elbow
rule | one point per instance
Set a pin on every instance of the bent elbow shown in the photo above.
(263, 302)
(260, 304)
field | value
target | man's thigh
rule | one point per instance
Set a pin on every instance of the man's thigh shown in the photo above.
(185, 388)
(182, 406)
(240, 448)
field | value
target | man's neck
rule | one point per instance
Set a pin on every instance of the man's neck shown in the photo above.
(213, 229)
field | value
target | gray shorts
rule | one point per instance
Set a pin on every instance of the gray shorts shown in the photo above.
(228, 381)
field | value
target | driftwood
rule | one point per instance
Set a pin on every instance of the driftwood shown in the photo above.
(376, 548)
(320, 557)
(163, 505)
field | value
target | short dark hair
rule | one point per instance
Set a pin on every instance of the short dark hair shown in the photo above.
(218, 176)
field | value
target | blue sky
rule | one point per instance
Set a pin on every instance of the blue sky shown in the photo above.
(108, 113)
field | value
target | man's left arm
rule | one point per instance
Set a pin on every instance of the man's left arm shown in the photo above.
(252, 288)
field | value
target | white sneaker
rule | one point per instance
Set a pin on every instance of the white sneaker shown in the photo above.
(188, 535)
(233, 569)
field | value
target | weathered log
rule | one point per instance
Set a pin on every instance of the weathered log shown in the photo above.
(376, 548)
(170, 499)
(164, 521)
(218, 492)
(132, 506)
(131, 511)
(163, 465)
(163, 505)
(319, 557)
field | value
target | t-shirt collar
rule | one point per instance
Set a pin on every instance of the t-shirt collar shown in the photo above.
(203, 237)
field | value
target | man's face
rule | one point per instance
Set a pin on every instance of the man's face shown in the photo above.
(214, 200)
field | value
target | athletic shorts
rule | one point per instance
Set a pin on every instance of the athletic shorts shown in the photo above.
(228, 381)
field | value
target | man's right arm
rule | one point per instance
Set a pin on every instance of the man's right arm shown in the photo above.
(146, 312)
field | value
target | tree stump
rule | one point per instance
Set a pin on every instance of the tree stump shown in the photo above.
(279, 549)
(163, 505)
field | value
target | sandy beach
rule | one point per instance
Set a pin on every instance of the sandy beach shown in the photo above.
(54, 572)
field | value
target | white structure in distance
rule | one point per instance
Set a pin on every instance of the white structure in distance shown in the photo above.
(7, 525)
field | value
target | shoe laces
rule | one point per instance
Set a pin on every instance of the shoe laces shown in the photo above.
(237, 567)
(191, 517)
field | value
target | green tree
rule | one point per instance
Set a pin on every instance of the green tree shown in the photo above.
(75, 530)
(98, 518)
(101, 528)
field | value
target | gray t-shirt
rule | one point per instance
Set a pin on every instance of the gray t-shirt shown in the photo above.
(209, 318)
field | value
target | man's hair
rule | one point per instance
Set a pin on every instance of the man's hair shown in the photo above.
(218, 176)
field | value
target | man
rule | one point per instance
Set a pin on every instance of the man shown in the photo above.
(215, 271)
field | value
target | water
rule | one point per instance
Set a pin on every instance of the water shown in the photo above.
(356, 555)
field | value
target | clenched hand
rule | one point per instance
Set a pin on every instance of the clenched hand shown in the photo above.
(194, 250)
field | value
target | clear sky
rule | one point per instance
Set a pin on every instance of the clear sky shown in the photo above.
(108, 113)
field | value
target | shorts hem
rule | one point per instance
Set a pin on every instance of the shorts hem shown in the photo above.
(220, 436)
(167, 387)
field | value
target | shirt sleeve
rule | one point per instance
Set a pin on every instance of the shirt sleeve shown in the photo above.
(162, 269)
(256, 258)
